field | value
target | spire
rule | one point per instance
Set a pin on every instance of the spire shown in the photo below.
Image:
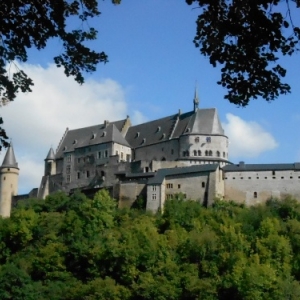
(196, 99)
(10, 159)
(50, 155)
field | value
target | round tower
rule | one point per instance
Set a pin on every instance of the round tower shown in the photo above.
(50, 166)
(9, 175)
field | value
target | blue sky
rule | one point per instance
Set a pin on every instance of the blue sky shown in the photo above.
(152, 72)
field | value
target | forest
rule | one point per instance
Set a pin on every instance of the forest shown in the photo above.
(73, 247)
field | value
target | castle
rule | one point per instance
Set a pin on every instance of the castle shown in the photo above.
(184, 153)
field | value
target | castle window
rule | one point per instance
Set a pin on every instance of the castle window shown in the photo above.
(78, 159)
(179, 186)
(106, 153)
(195, 152)
(117, 152)
(291, 177)
(68, 169)
(122, 155)
(208, 139)
(69, 178)
(273, 173)
(187, 153)
(224, 155)
(158, 129)
(87, 174)
(210, 153)
(128, 157)
(218, 153)
(154, 188)
(172, 151)
(199, 153)
(78, 175)
(68, 158)
(153, 196)
(255, 194)
(99, 154)
(143, 141)
(206, 153)
(74, 142)
(93, 136)
(104, 133)
(203, 184)
(102, 173)
(163, 136)
(197, 139)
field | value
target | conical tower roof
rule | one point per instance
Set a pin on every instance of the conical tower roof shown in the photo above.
(50, 155)
(9, 160)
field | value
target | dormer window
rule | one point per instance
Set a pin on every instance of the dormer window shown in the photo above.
(143, 141)
(158, 129)
(187, 130)
(104, 133)
(93, 136)
(163, 136)
(74, 142)
(137, 135)
(65, 148)
(197, 139)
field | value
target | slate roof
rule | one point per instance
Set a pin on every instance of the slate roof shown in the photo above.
(50, 155)
(92, 135)
(201, 121)
(241, 167)
(9, 160)
(162, 173)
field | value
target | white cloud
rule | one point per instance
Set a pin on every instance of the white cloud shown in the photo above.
(247, 139)
(36, 121)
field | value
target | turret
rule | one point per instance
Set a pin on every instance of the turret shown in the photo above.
(50, 166)
(9, 175)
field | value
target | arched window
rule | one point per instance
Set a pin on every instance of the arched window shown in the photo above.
(218, 153)
(255, 194)
(224, 155)
(206, 153)
(187, 153)
(210, 153)
(183, 153)
(163, 159)
(195, 152)
(199, 153)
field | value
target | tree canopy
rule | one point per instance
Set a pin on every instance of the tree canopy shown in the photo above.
(246, 37)
(80, 248)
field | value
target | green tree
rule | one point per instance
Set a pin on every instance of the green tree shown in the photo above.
(245, 38)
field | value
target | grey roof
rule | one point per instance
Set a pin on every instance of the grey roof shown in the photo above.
(9, 160)
(92, 135)
(242, 167)
(201, 121)
(50, 155)
(162, 173)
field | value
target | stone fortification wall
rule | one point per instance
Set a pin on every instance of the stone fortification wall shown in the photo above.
(252, 187)
(166, 150)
